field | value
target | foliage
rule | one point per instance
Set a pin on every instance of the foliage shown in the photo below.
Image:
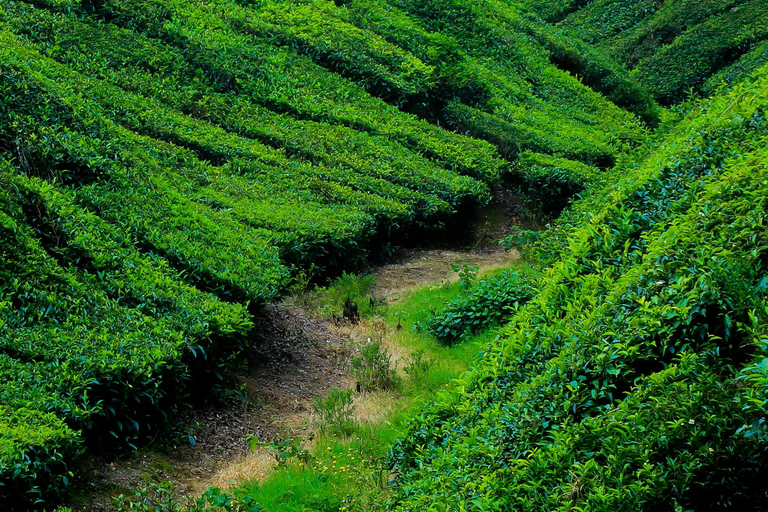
(166, 166)
(417, 365)
(282, 450)
(487, 302)
(634, 379)
(335, 412)
(162, 498)
(467, 274)
(674, 46)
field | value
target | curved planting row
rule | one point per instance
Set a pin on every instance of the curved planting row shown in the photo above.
(636, 378)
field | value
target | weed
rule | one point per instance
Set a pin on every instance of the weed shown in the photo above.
(335, 413)
(282, 451)
(417, 365)
(373, 368)
(467, 274)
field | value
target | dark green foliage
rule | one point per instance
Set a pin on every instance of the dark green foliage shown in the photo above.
(551, 182)
(35, 448)
(704, 49)
(739, 71)
(635, 379)
(485, 303)
(675, 46)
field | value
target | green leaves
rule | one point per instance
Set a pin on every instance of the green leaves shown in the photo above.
(481, 304)
(635, 377)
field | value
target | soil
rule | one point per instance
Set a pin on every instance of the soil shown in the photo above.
(294, 359)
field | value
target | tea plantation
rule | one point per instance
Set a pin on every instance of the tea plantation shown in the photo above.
(168, 167)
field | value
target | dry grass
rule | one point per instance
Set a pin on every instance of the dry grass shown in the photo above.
(374, 407)
(425, 268)
(254, 465)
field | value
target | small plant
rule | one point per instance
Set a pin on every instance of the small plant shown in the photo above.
(489, 302)
(373, 368)
(417, 365)
(467, 274)
(282, 451)
(335, 412)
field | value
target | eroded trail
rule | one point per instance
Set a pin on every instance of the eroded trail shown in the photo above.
(296, 357)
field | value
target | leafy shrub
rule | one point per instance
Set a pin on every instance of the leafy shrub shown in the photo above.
(485, 303)
(550, 182)
(282, 450)
(467, 274)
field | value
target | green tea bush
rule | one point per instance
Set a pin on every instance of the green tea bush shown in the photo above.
(740, 70)
(635, 378)
(165, 166)
(702, 50)
(552, 182)
(36, 453)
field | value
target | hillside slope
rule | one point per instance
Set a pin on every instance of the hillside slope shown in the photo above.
(636, 379)
(167, 167)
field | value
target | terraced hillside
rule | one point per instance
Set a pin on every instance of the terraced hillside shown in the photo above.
(636, 378)
(166, 167)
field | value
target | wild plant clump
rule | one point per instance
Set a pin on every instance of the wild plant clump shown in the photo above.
(335, 413)
(373, 368)
(482, 304)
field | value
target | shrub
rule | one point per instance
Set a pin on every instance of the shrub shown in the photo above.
(485, 303)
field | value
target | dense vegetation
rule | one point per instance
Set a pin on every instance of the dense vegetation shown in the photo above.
(635, 379)
(167, 167)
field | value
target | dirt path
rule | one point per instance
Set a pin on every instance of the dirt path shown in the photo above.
(295, 358)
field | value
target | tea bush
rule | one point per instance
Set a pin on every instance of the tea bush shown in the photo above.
(634, 380)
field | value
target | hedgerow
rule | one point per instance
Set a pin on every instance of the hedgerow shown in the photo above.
(702, 50)
(675, 46)
(623, 385)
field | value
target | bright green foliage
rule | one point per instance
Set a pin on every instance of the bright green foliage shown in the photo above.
(635, 379)
(34, 448)
(335, 412)
(168, 167)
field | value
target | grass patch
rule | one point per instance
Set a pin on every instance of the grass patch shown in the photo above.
(345, 468)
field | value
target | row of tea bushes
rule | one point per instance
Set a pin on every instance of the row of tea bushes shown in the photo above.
(635, 379)
(674, 46)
